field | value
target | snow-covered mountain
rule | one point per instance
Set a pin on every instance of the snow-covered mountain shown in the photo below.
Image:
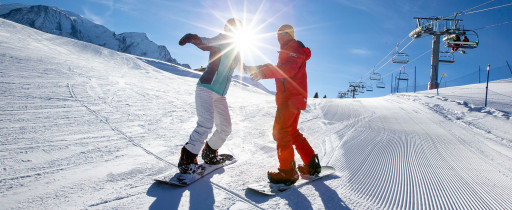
(68, 24)
(85, 127)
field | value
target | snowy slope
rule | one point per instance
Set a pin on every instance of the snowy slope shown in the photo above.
(83, 126)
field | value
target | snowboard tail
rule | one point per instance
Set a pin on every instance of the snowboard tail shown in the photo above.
(183, 180)
(268, 188)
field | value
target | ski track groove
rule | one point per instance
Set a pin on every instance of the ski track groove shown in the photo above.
(459, 181)
(106, 121)
(488, 198)
(416, 171)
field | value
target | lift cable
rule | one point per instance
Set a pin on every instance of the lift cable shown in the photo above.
(489, 26)
(476, 7)
(467, 13)
(383, 65)
(423, 54)
(384, 58)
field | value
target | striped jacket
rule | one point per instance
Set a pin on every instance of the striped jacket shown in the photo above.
(224, 58)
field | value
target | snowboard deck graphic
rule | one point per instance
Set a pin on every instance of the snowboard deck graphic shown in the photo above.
(268, 188)
(184, 180)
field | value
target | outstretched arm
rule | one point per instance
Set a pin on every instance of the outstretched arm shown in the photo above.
(195, 40)
(285, 67)
(256, 73)
(249, 69)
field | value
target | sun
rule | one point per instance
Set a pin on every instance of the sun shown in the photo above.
(246, 36)
(245, 40)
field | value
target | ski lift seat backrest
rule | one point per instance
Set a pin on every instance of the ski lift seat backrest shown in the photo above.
(380, 85)
(403, 76)
(471, 44)
(375, 76)
(401, 58)
(446, 57)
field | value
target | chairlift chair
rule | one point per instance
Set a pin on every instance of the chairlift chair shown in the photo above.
(400, 57)
(380, 84)
(375, 76)
(358, 87)
(402, 76)
(354, 84)
(369, 88)
(446, 57)
(472, 44)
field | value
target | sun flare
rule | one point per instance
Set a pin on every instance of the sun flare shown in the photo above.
(244, 40)
(246, 36)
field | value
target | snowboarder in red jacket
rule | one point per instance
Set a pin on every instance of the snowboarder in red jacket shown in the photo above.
(291, 97)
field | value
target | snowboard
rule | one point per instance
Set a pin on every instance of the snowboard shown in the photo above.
(184, 180)
(268, 188)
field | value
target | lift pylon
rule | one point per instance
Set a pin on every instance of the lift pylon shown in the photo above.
(437, 27)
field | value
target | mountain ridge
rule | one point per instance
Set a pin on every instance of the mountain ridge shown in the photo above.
(69, 24)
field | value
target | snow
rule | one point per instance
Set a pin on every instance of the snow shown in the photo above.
(69, 24)
(83, 126)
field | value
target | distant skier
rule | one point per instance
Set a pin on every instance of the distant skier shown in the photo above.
(210, 97)
(291, 97)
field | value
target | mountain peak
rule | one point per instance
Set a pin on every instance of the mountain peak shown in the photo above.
(69, 24)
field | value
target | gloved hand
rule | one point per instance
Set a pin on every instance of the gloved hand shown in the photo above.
(188, 38)
(256, 76)
(250, 69)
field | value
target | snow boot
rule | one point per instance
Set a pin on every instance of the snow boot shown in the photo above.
(284, 176)
(188, 162)
(312, 168)
(211, 156)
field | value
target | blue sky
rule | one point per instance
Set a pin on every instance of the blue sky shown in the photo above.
(346, 37)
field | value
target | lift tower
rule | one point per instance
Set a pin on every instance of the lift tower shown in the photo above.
(437, 27)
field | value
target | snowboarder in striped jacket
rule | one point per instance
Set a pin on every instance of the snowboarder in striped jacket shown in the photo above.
(210, 97)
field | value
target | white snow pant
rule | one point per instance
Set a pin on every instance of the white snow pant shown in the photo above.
(211, 108)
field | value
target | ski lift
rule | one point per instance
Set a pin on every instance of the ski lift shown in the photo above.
(369, 88)
(400, 57)
(362, 88)
(380, 84)
(342, 94)
(375, 75)
(462, 44)
(402, 75)
(446, 57)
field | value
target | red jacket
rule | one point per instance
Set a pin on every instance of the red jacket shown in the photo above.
(290, 75)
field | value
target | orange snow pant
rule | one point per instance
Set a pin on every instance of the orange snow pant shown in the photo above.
(287, 135)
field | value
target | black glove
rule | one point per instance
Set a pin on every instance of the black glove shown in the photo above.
(188, 38)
